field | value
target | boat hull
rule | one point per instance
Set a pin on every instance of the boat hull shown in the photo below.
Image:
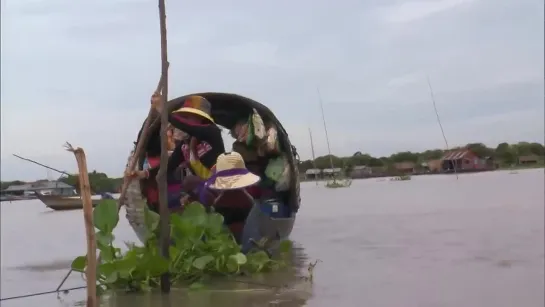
(63, 203)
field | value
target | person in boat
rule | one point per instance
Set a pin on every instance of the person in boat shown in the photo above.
(199, 150)
(258, 145)
(152, 160)
(230, 182)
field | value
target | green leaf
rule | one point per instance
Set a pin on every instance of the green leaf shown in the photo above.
(173, 252)
(188, 263)
(151, 219)
(215, 222)
(285, 246)
(201, 262)
(239, 258)
(232, 265)
(196, 213)
(112, 278)
(104, 239)
(105, 216)
(258, 260)
(79, 264)
(183, 228)
(107, 254)
(155, 265)
(126, 265)
(106, 269)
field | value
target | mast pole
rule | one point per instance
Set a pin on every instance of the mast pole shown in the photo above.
(313, 156)
(325, 128)
(439, 122)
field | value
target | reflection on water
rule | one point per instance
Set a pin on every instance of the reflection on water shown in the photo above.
(431, 241)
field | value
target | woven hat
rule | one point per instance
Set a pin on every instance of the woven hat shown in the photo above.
(231, 173)
(197, 105)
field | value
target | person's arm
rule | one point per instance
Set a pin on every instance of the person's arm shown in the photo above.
(206, 131)
(175, 159)
(196, 165)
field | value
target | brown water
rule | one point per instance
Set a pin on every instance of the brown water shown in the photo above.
(432, 241)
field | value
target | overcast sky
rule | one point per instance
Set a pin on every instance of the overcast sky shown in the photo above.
(83, 71)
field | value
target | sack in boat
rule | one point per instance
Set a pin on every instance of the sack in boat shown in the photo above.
(271, 144)
(247, 154)
(278, 170)
(256, 129)
(240, 131)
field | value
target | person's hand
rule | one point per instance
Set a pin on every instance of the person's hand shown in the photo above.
(136, 174)
(193, 143)
(193, 155)
(157, 101)
(184, 200)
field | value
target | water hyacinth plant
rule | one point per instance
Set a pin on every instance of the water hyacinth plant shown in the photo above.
(201, 247)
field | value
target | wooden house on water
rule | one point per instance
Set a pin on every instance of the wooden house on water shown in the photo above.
(463, 160)
(528, 160)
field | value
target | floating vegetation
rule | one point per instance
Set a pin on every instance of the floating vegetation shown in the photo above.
(401, 178)
(339, 183)
(201, 247)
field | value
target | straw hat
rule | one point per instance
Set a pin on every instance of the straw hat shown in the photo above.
(231, 173)
(196, 105)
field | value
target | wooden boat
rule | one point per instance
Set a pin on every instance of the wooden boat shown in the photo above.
(63, 202)
(227, 109)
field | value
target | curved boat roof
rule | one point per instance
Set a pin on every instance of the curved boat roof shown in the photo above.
(227, 110)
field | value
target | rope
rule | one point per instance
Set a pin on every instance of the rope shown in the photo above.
(41, 293)
(248, 282)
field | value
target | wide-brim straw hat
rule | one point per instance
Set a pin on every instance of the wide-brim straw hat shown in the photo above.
(196, 105)
(231, 173)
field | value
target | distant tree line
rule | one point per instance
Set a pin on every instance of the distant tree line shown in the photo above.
(100, 182)
(505, 154)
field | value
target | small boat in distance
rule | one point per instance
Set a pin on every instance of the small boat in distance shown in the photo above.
(66, 202)
(336, 181)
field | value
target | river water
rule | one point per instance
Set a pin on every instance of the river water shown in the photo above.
(431, 241)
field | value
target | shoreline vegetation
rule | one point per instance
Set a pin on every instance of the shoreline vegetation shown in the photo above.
(521, 155)
(360, 165)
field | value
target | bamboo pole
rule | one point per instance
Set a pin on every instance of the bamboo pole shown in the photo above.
(162, 175)
(142, 141)
(85, 189)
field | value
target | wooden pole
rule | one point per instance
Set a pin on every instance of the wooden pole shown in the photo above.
(85, 189)
(140, 146)
(162, 175)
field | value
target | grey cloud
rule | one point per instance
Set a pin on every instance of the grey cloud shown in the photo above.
(484, 57)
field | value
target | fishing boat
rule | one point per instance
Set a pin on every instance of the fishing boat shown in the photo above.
(64, 202)
(339, 183)
(227, 110)
(401, 178)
